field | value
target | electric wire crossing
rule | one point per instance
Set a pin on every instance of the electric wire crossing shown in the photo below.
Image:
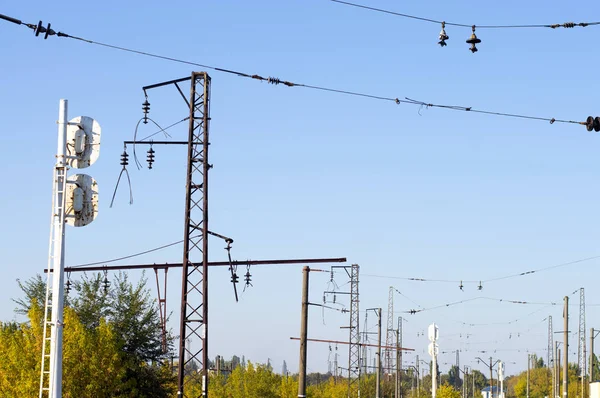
(38, 29)
(473, 39)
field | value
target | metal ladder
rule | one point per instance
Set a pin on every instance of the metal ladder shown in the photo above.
(58, 203)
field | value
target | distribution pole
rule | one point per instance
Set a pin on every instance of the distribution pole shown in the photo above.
(418, 378)
(303, 334)
(558, 370)
(378, 378)
(491, 376)
(565, 393)
(581, 348)
(591, 355)
(399, 359)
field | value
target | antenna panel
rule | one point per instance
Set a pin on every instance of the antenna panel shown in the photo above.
(83, 142)
(81, 207)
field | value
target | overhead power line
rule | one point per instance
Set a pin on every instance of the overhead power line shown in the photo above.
(524, 273)
(473, 39)
(451, 304)
(591, 123)
(464, 25)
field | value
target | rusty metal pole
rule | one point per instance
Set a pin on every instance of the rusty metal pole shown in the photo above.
(303, 334)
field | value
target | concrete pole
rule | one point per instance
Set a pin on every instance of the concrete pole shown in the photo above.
(491, 377)
(303, 334)
(378, 379)
(565, 393)
(558, 371)
(398, 365)
(418, 377)
(591, 355)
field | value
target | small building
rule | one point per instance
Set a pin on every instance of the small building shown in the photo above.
(485, 393)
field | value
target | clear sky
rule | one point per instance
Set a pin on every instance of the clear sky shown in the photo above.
(402, 191)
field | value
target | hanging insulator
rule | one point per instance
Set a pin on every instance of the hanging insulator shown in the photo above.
(248, 278)
(324, 298)
(124, 158)
(334, 298)
(473, 40)
(480, 287)
(106, 282)
(68, 286)
(235, 278)
(146, 110)
(443, 36)
(461, 285)
(150, 157)
(592, 123)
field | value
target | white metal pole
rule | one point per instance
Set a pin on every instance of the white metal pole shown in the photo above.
(434, 373)
(58, 257)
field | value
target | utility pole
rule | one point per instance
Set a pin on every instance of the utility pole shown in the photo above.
(378, 355)
(303, 334)
(399, 359)
(551, 351)
(565, 393)
(592, 355)
(581, 349)
(433, 334)
(491, 366)
(418, 378)
(558, 369)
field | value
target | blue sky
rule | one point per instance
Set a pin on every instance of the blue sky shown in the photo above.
(402, 191)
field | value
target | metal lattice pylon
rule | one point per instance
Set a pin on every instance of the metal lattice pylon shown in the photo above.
(389, 337)
(354, 347)
(193, 364)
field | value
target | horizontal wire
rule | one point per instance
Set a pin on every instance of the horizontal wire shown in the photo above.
(414, 279)
(129, 256)
(277, 81)
(462, 25)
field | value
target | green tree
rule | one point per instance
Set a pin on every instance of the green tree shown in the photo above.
(454, 377)
(447, 391)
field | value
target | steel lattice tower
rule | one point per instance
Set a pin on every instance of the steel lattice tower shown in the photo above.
(354, 347)
(581, 349)
(194, 289)
(389, 338)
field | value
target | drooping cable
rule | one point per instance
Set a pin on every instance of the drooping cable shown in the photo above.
(277, 81)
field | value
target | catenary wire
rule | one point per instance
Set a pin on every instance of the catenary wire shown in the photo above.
(277, 81)
(463, 25)
(129, 256)
(414, 279)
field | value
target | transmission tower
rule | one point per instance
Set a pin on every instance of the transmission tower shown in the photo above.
(354, 347)
(581, 351)
(389, 339)
(365, 339)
